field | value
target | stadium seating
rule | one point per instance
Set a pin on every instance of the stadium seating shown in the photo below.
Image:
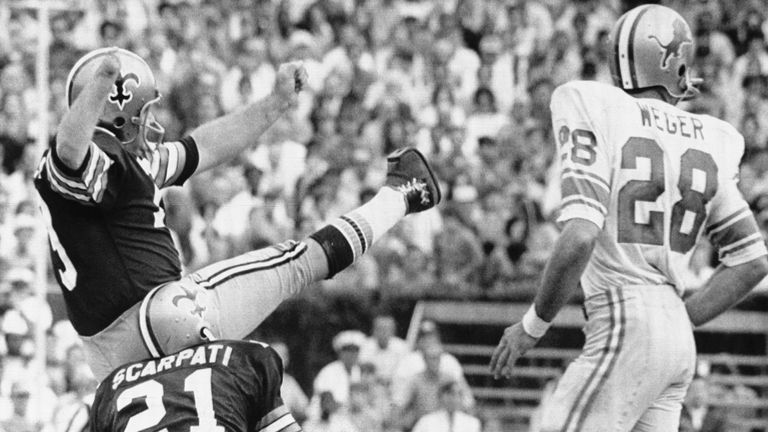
(472, 330)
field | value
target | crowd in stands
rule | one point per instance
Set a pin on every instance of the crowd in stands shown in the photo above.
(466, 81)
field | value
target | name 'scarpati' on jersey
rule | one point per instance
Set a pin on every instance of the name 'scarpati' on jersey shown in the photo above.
(207, 354)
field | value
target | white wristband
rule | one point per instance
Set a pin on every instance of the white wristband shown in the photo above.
(533, 324)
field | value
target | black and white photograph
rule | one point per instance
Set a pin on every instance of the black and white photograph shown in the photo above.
(383, 216)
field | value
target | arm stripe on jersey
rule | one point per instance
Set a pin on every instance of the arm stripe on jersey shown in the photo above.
(101, 186)
(585, 188)
(180, 153)
(158, 165)
(65, 190)
(173, 162)
(292, 428)
(741, 244)
(93, 166)
(575, 172)
(67, 194)
(271, 416)
(738, 230)
(728, 220)
(279, 425)
(60, 179)
(94, 181)
(579, 199)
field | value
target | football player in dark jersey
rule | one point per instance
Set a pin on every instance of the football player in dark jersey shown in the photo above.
(218, 386)
(114, 257)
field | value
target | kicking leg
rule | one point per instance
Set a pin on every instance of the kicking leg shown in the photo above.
(241, 292)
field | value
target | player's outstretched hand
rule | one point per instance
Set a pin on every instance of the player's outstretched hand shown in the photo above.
(291, 79)
(513, 344)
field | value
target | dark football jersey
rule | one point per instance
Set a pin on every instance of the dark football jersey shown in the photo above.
(222, 386)
(108, 241)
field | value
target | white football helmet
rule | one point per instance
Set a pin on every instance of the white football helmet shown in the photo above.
(173, 317)
(652, 46)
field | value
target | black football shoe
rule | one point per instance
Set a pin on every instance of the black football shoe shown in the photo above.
(409, 172)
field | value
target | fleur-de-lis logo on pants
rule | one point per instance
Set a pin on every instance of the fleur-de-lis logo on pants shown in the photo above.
(120, 94)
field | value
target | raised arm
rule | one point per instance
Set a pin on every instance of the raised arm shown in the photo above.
(226, 137)
(77, 126)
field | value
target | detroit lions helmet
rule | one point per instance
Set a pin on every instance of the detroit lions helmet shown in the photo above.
(173, 317)
(652, 46)
(126, 113)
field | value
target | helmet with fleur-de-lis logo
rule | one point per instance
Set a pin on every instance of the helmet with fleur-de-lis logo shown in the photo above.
(126, 112)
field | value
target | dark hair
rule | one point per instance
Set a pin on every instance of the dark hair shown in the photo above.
(446, 387)
(107, 24)
(484, 91)
(442, 88)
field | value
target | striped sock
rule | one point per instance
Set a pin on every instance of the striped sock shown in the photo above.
(347, 238)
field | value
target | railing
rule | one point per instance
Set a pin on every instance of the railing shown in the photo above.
(516, 403)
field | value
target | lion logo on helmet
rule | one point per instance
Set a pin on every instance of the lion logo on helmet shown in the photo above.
(121, 94)
(680, 37)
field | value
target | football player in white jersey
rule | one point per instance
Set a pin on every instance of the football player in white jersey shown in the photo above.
(641, 180)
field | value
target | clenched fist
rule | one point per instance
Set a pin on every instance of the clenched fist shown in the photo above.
(291, 78)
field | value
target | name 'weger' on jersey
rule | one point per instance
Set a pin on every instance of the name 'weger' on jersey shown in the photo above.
(673, 124)
(189, 357)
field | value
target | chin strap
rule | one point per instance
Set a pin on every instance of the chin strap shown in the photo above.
(207, 335)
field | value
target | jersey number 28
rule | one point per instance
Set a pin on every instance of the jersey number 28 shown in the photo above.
(697, 185)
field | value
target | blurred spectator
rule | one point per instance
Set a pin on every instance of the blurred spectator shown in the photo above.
(458, 253)
(331, 418)
(35, 311)
(697, 415)
(468, 82)
(251, 78)
(361, 414)
(450, 416)
(23, 247)
(73, 409)
(20, 394)
(484, 121)
(421, 393)
(337, 376)
(290, 391)
(413, 363)
(383, 349)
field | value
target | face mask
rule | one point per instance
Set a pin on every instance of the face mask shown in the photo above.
(150, 131)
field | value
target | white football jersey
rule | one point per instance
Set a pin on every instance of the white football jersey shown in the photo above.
(654, 178)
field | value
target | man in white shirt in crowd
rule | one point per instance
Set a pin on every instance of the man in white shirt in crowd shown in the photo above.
(420, 394)
(336, 377)
(413, 363)
(450, 417)
(383, 349)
